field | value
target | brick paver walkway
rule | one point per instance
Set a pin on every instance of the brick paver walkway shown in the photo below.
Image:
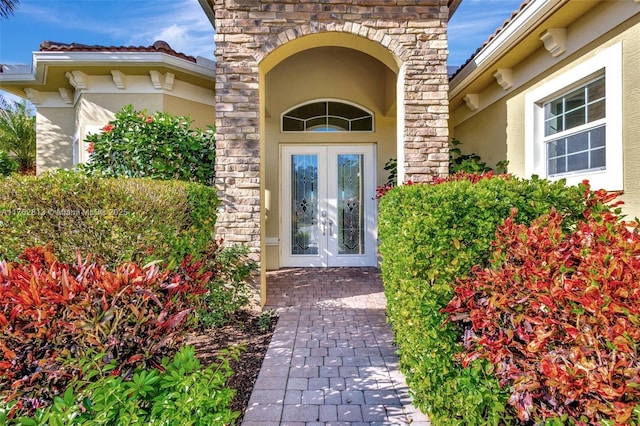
(331, 359)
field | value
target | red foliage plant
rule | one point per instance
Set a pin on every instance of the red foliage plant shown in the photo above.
(53, 313)
(471, 177)
(558, 315)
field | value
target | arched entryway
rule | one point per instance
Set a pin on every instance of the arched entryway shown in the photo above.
(333, 222)
(261, 46)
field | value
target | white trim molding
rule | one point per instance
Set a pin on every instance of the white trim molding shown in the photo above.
(608, 63)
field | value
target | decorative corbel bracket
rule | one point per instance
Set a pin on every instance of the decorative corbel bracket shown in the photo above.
(156, 79)
(78, 79)
(169, 79)
(472, 100)
(33, 95)
(555, 40)
(504, 77)
(119, 79)
(66, 95)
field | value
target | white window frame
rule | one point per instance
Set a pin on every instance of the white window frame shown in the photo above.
(607, 63)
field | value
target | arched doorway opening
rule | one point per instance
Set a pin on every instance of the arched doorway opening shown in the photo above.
(327, 69)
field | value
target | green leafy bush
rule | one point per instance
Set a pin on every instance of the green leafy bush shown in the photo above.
(7, 165)
(228, 290)
(431, 235)
(558, 316)
(160, 146)
(114, 219)
(180, 392)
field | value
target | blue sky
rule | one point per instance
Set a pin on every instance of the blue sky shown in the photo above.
(184, 26)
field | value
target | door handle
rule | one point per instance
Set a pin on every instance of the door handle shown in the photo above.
(323, 223)
(330, 227)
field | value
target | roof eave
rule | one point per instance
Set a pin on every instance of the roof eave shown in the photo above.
(515, 31)
(43, 60)
(208, 10)
(453, 6)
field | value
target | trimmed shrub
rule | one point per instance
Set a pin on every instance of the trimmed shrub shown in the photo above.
(431, 235)
(114, 219)
(558, 316)
(158, 146)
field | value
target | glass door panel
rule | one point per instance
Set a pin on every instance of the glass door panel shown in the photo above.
(304, 205)
(350, 213)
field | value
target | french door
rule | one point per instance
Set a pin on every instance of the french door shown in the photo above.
(328, 206)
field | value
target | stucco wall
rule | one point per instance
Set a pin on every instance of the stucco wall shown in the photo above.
(55, 131)
(202, 114)
(324, 73)
(485, 134)
(631, 120)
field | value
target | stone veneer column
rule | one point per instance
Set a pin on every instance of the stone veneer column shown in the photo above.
(248, 30)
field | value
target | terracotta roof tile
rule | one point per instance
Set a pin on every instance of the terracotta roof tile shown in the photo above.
(493, 36)
(158, 46)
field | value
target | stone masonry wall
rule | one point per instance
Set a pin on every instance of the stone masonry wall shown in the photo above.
(248, 30)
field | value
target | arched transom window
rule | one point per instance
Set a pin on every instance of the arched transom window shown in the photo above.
(327, 116)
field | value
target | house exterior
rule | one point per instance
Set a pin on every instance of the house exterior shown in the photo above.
(310, 100)
(556, 92)
(76, 89)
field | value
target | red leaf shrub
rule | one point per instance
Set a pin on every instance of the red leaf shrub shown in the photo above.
(471, 177)
(53, 313)
(558, 315)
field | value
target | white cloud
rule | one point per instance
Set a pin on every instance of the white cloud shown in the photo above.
(183, 25)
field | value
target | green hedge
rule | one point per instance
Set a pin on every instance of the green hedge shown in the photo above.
(430, 235)
(115, 219)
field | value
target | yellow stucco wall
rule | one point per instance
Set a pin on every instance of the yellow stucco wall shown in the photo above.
(202, 115)
(485, 134)
(631, 120)
(324, 73)
(55, 131)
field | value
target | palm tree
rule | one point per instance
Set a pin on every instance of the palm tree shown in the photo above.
(18, 134)
(7, 7)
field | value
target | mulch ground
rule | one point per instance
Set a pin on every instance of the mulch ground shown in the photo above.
(249, 329)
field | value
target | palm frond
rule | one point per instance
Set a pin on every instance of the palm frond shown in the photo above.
(8, 7)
